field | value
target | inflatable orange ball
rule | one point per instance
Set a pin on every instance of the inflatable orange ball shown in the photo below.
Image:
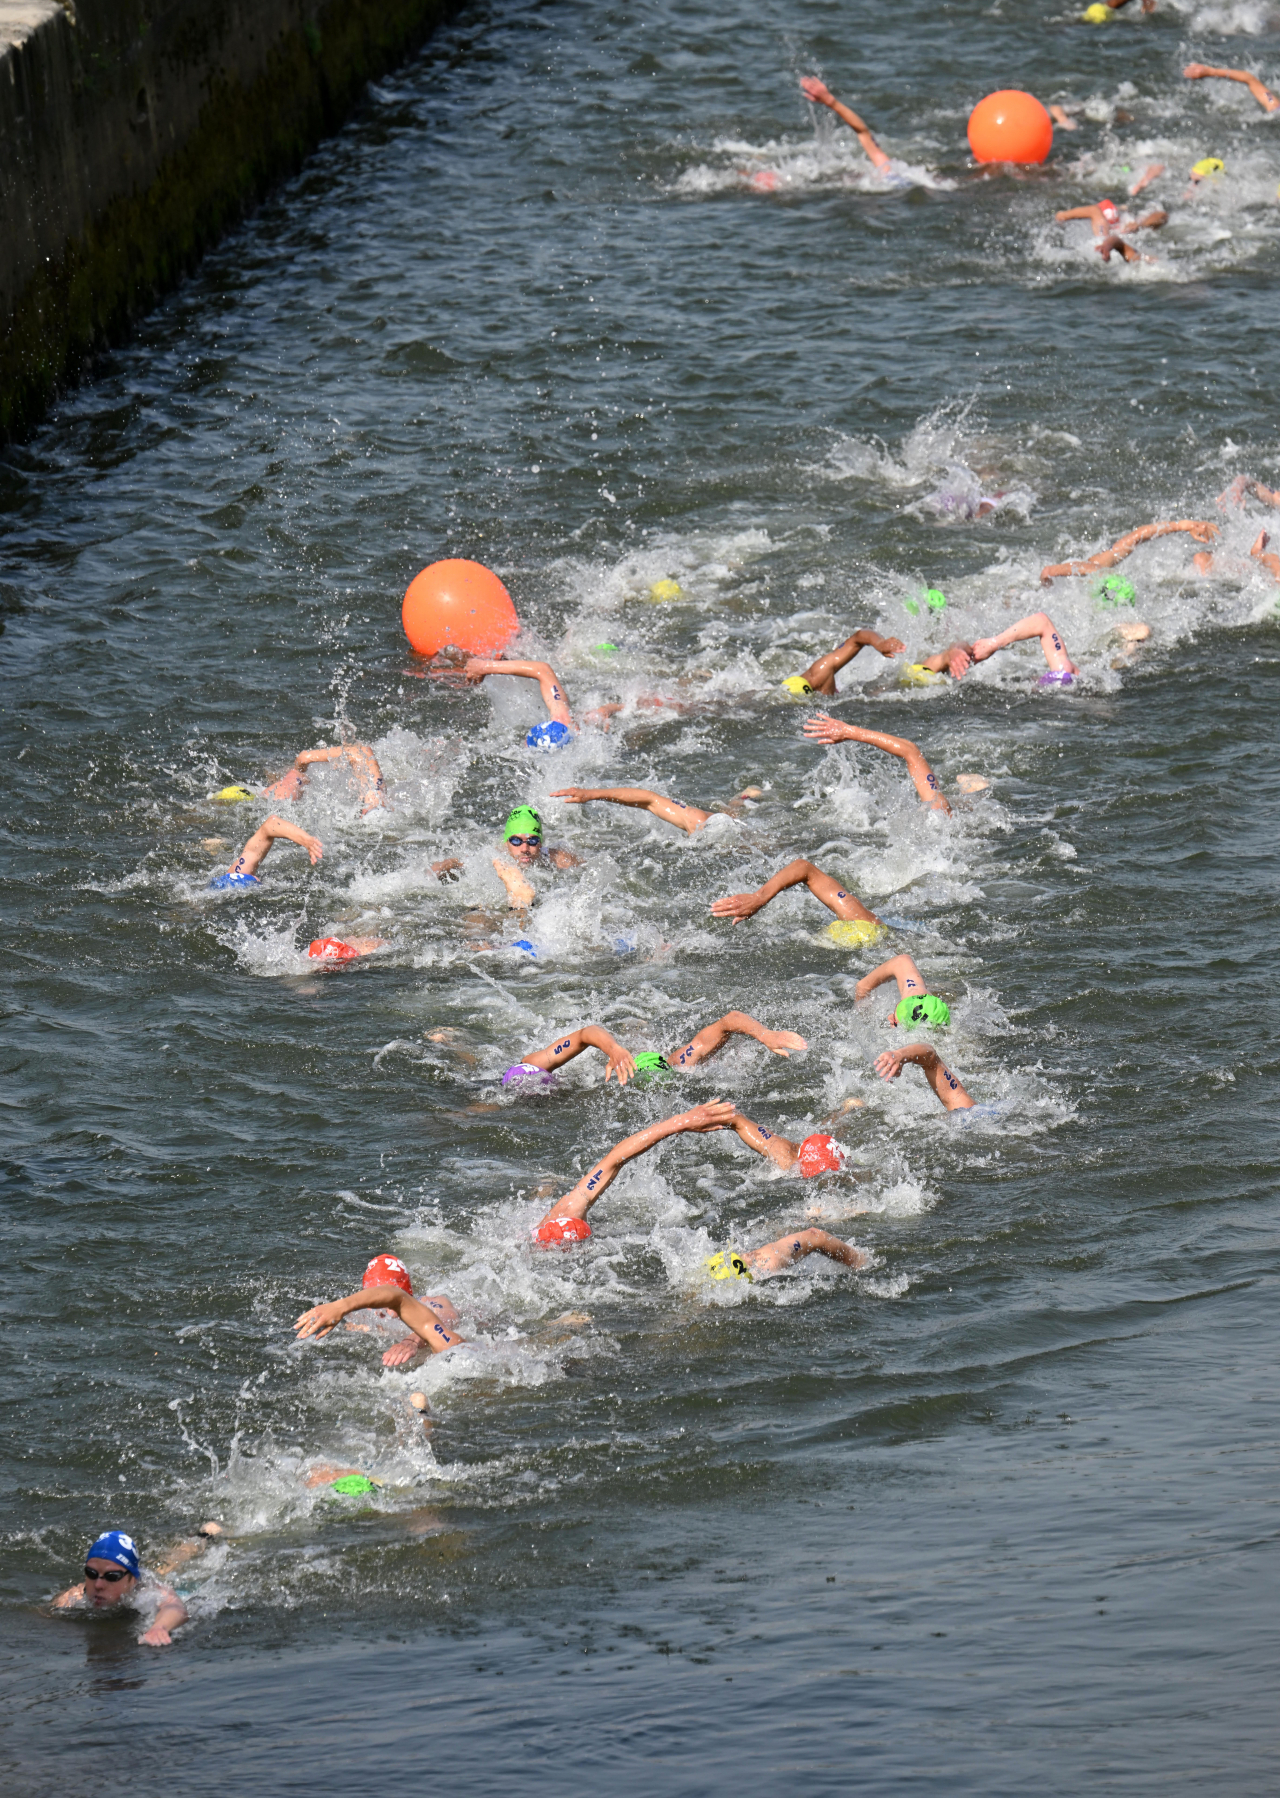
(458, 604)
(1010, 127)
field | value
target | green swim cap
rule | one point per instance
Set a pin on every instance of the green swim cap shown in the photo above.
(935, 599)
(353, 1485)
(523, 822)
(925, 1009)
(231, 795)
(605, 649)
(648, 1061)
(909, 605)
(1115, 590)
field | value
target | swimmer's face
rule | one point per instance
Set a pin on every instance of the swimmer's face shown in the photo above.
(103, 1593)
(524, 849)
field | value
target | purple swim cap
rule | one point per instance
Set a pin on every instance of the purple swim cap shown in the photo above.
(1056, 677)
(522, 1071)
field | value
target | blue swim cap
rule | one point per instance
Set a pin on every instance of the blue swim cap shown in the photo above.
(221, 881)
(548, 736)
(522, 942)
(118, 1548)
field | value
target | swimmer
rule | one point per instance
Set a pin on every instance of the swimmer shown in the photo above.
(948, 1088)
(1271, 562)
(361, 759)
(817, 1154)
(1199, 529)
(389, 1270)
(772, 1257)
(624, 1066)
(559, 727)
(565, 1222)
(114, 1577)
(671, 811)
(916, 1004)
(1207, 169)
(1199, 71)
(820, 676)
(1241, 487)
(1111, 231)
(332, 951)
(866, 927)
(824, 729)
(1037, 624)
(427, 1325)
(1151, 173)
(243, 872)
(821, 95)
(521, 848)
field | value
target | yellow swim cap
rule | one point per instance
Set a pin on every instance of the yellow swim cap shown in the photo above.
(230, 795)
(665, 590)
(915, 674)
(1096, 15)
(728, 1264)
(1209, 165)
(854, 933)
(797, 684)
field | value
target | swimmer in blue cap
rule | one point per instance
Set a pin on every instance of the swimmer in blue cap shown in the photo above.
(946, 1084)
(916, 1004)
(114, 1577)
(243, 872)
(820, 676)
(624, 1066)
(824, 729)
(359, 756)
(560, 727)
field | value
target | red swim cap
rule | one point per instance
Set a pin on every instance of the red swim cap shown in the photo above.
(388, 1270)
(332, 948)
(820, 1155)
(1108, 209)
(562, 1230)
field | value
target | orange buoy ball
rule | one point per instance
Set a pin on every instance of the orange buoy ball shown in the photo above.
(1010, 127)
(458, 604)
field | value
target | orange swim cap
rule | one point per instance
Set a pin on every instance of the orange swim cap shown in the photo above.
(820, 1155)
(388, 1270)
(562, 1231)
(332, 948)
(1109, 210)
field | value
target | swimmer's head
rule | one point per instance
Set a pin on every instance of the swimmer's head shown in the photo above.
(854, 933)
(650, 1063)
(522, 834)
(1208, 168)
(935, 599)
(1096, 15)
(922, 1008)
(111, 1569)
(798, 685)
(819, 1155)
(552, 735)
(521, 1073)
(1109, 210)
(387, 1270)
(562, 1232)
(727, 1264)
(666, 590)
(233, 795)
(1115, 590)
(332, 948)
(353, 1485)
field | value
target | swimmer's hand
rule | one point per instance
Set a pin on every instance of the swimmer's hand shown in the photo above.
(824, 729)
(816, 90)
(404, 1354)
(782, 1042)
(578, 795)
(738, 906)
(319, 1321)
(889, 1064)
(156, 1637)
(718, 1115)
(447, 870)
(476, 667)
(621, 1065)
(890, 646)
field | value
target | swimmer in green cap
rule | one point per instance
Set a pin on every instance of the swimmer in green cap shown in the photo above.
(825, 729)
(624, 1066)
(360, 758)
(522, 848)
(847, 907)
(916, 1005)
(946, 1084)
(820, 676)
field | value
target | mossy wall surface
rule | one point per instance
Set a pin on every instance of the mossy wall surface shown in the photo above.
(132, 132)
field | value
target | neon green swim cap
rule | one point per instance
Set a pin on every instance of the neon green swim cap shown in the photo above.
(797, 684)
(605, 649)
(935, 599)
(1115, 590)
(523, 822)
(728, 1264)
(353, 1485)
(909, 605)
(232, 795)
(923, 1009)
(648, 1061)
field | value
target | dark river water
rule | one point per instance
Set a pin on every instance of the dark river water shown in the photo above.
(999, 1513)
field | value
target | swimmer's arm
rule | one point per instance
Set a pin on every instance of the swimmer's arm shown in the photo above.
(816, 90)
(519, 893)
(183, 1552)
(563, 858)
(821, 675)
(900, 968)
(765, 1142)
(72, 1595)
(956, 660)
(365, 763)
(824, 887)
(1198, 528)
(823, 729)
(591, 1036)
(940, 1078)
(672, 811)
(1038, 624)
(1198, 71)
(1151, 173)
(554, 696)
(715, 1116)
(1244, 484)
(733, 1023)
(268, 832)
(1061, 117)
(1092, 213)
(1259, 551)
(424, 1323)
(772, 1257)
(171, 1614)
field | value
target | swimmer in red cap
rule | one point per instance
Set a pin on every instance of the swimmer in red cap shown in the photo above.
(623, 1065)
(824, 729)
(820, 676)
(947, 1086)
(565, 1222)
(360, 757)
(1199, 71)
(816, 1154)
(387, 1290)
(334, 950)
(1110, 230)
(243, 872)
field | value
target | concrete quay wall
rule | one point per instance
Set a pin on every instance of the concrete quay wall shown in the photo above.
(132, 132)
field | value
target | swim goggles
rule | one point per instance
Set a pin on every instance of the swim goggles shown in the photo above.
(523, 842)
